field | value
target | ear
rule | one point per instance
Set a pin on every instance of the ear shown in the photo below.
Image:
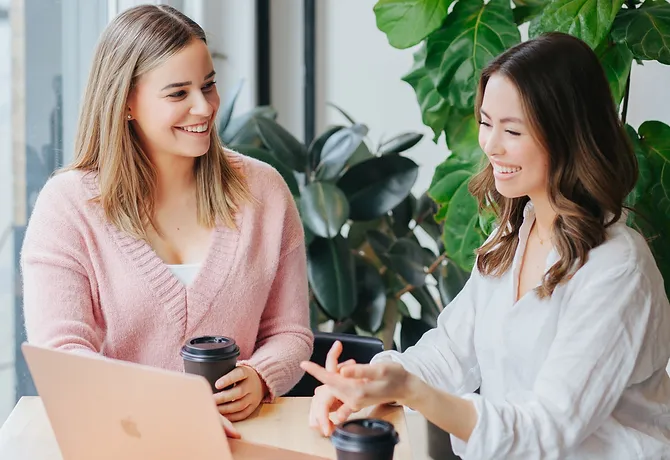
(131, 103)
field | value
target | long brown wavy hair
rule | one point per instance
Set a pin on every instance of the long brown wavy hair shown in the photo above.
(135, 42)
(592, 165)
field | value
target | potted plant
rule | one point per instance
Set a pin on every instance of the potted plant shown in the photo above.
(361, 224)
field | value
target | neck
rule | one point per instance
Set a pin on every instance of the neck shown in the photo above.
(544, 216)
(174, 176)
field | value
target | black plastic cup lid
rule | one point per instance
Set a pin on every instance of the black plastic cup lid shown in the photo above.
(210, 348)
(364, 435)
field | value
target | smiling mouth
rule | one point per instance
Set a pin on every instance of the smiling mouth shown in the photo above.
(198, 129)
(506, 169)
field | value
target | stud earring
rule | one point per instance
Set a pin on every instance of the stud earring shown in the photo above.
(130, 117)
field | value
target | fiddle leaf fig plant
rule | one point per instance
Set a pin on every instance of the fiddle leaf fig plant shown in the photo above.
(447, 64)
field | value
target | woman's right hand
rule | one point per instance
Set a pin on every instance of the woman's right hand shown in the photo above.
(324, 401)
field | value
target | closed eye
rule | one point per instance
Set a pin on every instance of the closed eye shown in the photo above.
(513, 133)
(483, 123)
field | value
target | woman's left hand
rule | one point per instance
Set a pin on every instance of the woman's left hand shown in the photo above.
(362, 385)
(239, 402)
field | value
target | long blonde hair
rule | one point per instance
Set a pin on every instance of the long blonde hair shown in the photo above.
(135, 42)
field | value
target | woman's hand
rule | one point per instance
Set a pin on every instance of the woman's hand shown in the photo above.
(240, 401)
(324, 401)
(360, 385)
(229, 429)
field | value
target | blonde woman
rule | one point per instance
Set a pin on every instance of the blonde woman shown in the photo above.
(156, 233)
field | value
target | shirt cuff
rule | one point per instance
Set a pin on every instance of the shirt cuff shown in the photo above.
(467, 450)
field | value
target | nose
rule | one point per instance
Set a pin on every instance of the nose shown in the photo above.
(492, 144)
(201, 106)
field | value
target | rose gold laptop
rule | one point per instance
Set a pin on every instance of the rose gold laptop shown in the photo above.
(111, 410)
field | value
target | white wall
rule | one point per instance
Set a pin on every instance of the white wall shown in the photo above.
(359, 71)
(649, 94)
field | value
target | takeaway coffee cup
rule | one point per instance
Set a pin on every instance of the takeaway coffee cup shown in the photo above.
(210, 356)
(365, 439)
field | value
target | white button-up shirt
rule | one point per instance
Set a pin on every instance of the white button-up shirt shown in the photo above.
(580, 375)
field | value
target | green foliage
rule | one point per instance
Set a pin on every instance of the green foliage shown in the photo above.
(360, 219)
(447, 65)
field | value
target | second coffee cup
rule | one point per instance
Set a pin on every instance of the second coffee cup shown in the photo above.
(211, 357)
(365, 439)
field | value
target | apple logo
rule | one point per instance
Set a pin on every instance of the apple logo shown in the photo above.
(130, 428)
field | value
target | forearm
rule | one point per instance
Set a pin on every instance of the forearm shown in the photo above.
(451, 413)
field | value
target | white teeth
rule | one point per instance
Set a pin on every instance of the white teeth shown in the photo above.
(505, 169)
(197, 128)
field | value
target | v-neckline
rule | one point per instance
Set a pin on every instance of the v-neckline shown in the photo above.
(185, 304)
(517, 261)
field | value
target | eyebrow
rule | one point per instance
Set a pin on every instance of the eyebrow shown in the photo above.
(504, 120)
(186, 83)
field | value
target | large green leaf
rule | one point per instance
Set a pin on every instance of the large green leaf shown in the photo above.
(410, 261)
(400, 143)
(645, 30)
(645, 178)
(361, 154)
(525, 10)
(324, 209)
(473, 34)
(286, 148)
(589, 20)
(402, 215)
(331, 272)
(462, 235)
(267, 157)
(338, 149)
(371, 297)
(434, 108)
(655, 137)
(227, 110)
(407, 22)
(616, 60)
(430, 310)
(358, 231)
(462, 134)
(451, 278)
(654, 205)
(243, 129)
(447, 178)
(424, 216)
(443, 191)
(314, 150)
(411, 331)
(349, 118)
(380, 244)
(376, 186)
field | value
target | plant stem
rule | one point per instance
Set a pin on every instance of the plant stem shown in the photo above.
(431, 269)
(405, 290)
(437, 262)
(626, 94)
(344, 325)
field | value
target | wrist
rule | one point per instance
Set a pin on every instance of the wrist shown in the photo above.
(413, 391)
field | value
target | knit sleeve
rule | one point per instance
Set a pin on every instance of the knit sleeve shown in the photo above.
(57, 297)
(284, 337)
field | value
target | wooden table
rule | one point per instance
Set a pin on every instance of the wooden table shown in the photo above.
(27, 433)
